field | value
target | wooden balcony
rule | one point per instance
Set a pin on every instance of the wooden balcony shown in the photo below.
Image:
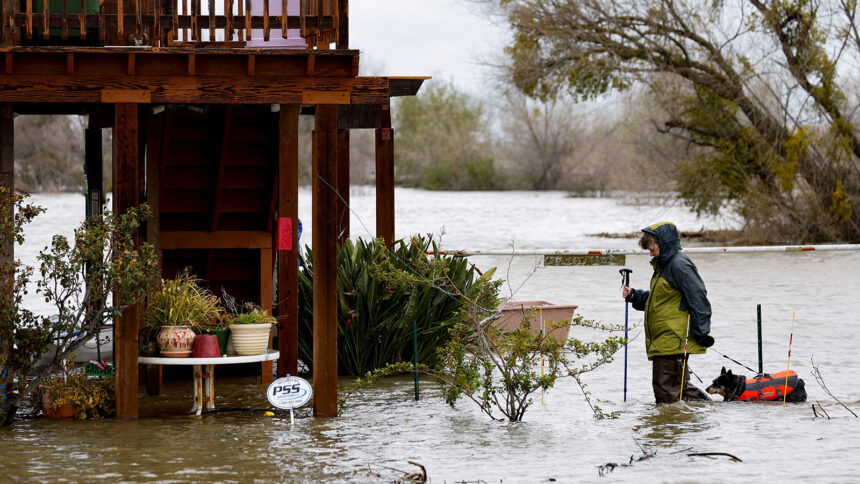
(274, 24)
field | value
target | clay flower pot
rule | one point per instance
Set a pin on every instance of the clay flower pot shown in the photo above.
(65, 410)
(250, 339)
(176, 341)
(206, 346)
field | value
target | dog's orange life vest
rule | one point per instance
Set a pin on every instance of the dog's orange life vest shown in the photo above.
(769, 387)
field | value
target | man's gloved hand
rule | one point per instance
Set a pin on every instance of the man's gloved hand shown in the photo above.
(707, 341)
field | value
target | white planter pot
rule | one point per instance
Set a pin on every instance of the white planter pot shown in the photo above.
(250, 339)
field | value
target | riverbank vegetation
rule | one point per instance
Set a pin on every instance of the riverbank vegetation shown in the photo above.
(760, 94)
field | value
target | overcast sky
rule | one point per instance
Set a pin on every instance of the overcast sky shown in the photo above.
(440, 38)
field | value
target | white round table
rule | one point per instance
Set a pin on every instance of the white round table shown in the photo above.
(204, 371)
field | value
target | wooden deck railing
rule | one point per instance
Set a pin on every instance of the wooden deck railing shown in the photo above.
(316, 24)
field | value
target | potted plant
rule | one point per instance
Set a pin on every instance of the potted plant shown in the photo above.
(249, 330)
(74, 394)
(179, 307)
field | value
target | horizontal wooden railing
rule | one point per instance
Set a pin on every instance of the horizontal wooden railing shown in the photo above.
(318, 24)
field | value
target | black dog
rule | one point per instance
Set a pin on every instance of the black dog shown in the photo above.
(762, 387)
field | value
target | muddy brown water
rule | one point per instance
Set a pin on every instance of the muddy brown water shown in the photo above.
(814, 296)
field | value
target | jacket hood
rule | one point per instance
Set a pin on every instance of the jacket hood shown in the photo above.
(667, 238)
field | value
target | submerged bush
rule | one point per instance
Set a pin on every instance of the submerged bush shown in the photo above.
(376, 312)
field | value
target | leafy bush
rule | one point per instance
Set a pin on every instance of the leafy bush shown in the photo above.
(499, 370)
(89, 280)
(90, 397)
(376, 312)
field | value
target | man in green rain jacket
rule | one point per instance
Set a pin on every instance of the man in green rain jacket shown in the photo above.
(676, 298)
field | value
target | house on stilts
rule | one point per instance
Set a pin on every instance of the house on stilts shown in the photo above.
(204, 100)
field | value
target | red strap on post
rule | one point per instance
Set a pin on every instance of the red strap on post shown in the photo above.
(284, 239)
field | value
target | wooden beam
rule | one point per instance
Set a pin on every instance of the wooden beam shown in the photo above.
(358, 116)
(343, 185)
(385, 177)
(125, 189)
(171, 240)
(80, 88)
(288, 254)
(325, 262)
(111, 17)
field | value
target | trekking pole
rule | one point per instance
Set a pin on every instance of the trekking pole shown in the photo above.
(542, 359)
(788, 367)
(625, 282)
(684, 364)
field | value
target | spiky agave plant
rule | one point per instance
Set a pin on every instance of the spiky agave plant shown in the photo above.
(376, 312)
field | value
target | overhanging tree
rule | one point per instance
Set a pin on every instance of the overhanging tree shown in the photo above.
(759, 90)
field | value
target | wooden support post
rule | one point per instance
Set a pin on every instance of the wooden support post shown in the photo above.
(343, 29)
(126, 195)
(93, 170)
(154, 154)
(288, 257)
(7, 172)
(11, 34)
(343, 185)
(7, 250)
(325, 261)
(385, 177)
(266, 274)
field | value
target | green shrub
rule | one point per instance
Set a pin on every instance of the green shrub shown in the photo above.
(375, 312)
(90, 397)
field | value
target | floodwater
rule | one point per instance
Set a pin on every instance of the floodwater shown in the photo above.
(813, 296)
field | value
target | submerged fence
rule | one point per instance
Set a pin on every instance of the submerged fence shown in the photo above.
(554, 257)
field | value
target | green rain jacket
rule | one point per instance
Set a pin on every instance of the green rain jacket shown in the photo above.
(676, 292)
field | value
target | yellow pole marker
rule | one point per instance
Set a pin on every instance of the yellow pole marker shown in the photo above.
(684, 364)
(788, 367)
(543, 335)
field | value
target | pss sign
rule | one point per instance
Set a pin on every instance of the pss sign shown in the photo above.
(289, 392)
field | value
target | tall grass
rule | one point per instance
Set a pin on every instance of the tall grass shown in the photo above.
(376, 312)
(181, 301)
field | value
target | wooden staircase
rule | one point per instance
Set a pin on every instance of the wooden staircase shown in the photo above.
(216, 195)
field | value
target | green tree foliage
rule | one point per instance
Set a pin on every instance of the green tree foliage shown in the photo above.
(375, 314)
(89, 281)
(759, 91)
(442, 142)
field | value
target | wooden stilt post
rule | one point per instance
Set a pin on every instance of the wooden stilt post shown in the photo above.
(7, 172)
(325, 262)
(93, 170)
(343, 185)
(385, 177)
(126, 195)
(154, 149)
(266, 276)
(7, 250)
(288, 253)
